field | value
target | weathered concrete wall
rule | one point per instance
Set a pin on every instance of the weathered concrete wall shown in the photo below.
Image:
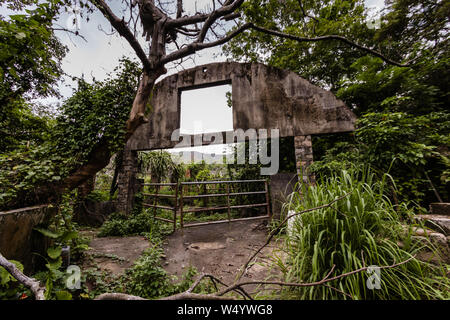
(18, 240)
(263, 98)
(281, 185)
(304, 158)
(127, 182)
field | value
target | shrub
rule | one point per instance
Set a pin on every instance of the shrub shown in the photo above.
(142, 223)
(360, 230)
(147, 278)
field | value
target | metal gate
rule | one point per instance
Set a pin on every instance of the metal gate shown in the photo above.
(179, 195)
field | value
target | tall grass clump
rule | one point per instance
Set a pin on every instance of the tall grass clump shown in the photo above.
(362, 229)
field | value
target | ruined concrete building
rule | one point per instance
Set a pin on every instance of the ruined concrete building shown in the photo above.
(263, 97)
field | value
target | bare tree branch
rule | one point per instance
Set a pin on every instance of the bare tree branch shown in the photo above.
(332, 37)
(124, 31)
(185, 21)
(188, 295)
(310, 284)
(227, 8)
(195, 296)
(216, 14)
(197, 46)
(179, 8)
(300, 3)
(32, 284)
(39, 291)
(231, 16)
(244, 268)
(213, 279)
(70, 31)
(337, 290)
(117, 296)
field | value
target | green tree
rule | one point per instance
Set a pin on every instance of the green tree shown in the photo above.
(171, 36)
(403, 110)
(94, 117)
(30, 67)
(322, 62)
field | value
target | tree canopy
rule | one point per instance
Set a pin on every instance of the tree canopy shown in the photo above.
(393, 75)
(403, 124)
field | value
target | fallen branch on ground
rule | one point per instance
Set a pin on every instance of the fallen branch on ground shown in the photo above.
(310, 284)
(189, 295)
(31, 283)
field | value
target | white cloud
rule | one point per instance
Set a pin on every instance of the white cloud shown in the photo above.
(376, 3)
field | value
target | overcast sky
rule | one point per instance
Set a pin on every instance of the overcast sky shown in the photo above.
(100, 53)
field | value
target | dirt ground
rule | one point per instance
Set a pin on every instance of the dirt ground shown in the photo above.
(113, 254)
(218, 249)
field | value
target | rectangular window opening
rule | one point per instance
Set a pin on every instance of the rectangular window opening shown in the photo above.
(206, 109)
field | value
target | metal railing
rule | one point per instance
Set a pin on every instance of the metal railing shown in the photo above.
(155, 204)
(180, 198)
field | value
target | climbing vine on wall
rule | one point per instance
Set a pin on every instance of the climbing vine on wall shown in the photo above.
(96, 113)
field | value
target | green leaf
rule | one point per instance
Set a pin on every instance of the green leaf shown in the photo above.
(69, 235)
(48, 233)
(54, 265)
(5, 276)
(82, 247)
(54, 252)
(63, 295)
(20, 35)
(48, 288)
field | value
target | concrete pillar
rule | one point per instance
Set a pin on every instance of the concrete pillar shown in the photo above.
(282, 184)
(127, 182)
(304, 158)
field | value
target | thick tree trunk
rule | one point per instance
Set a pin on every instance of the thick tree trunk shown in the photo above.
(137, 113)
(97, 160)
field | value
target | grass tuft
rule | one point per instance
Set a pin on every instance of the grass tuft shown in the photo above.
(360, 230)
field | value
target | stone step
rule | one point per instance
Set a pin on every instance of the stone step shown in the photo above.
(436, 237)
(436, 222)
(440, 208)
(442, 243)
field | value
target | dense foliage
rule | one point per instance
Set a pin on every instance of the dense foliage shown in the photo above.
(363, 229)
(118, 225)
(403, 111)
(30, 67)
(95, 114)
(412, 148)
